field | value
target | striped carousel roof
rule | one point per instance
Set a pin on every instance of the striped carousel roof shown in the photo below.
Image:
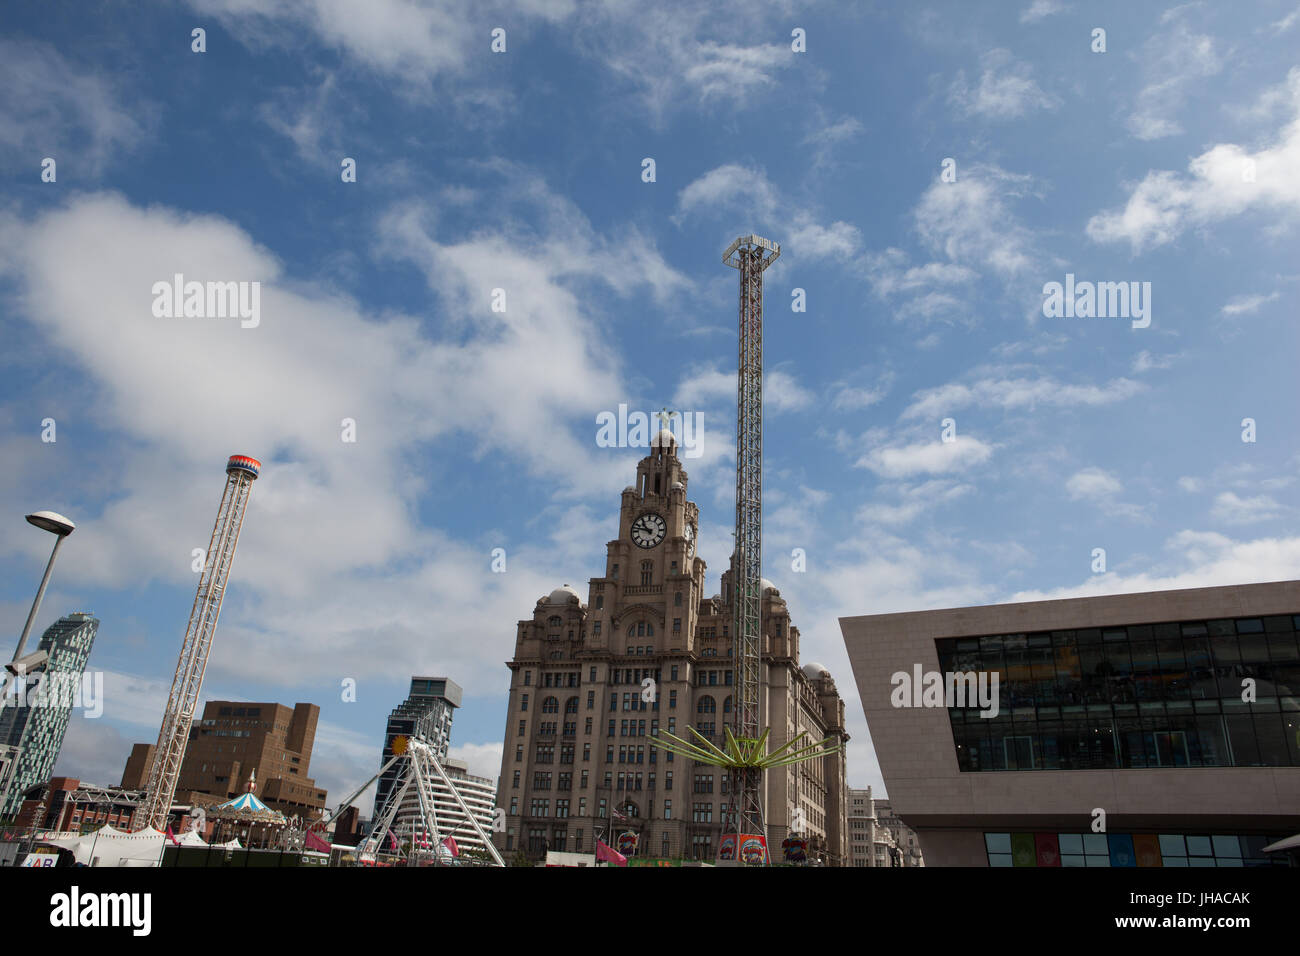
(245, 802)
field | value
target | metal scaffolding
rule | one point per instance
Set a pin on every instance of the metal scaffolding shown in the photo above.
(751, 255)
(173, 737)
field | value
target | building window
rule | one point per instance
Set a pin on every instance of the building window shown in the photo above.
(647, 573)
(528, 678)
(600, 603)
(522, 724)
(677, 599)
(523, 702)
(515, 785)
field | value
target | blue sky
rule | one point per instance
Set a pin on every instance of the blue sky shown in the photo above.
(1171, 158)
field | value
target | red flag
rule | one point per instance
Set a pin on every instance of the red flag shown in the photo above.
(608, 854)
(392, 839)
(171, 836)
(313, 842)
(450, 844)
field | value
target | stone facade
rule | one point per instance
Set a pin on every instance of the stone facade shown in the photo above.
(592, 683)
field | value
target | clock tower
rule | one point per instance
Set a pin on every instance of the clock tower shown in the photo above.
(654, 578)
(592, 684)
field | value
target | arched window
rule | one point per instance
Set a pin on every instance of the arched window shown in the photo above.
(550, 706)
(640, 628)
(706, 705)
(726, 706)
(571, 705)
(631, 630)
(650, 630)
(554, 621)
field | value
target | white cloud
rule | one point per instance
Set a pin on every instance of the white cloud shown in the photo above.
(1006, 89)
(708, 385)
(927, 457)
(729, 185)
(1223, 182)
(1190, 484)
(1171, 61)
(331, 549)
(1287, 22)
(483, 759)
(1199, 560)
(1099, 487)
(970, 223)
(1145, 362)
(1016, 393)
(1093, 484)
(1041, 9)
(1247, 304)
(736, 189)
(851, 399)
(1233, 509)
(54, 107)
(913, 500)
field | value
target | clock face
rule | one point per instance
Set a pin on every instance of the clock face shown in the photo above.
(648, 530)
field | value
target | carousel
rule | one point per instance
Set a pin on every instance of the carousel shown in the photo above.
(246, 819)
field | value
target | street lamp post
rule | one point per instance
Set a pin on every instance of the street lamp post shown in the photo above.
(60, 527)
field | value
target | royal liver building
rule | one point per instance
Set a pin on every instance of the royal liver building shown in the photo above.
(592, 682)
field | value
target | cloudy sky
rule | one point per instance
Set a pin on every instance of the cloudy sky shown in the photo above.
(932, 437)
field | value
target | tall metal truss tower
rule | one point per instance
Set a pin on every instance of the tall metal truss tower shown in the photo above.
(751, 255)
(241, 472)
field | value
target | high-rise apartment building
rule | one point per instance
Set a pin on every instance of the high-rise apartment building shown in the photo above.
(592, 683)
(426, 714)
(32, 729)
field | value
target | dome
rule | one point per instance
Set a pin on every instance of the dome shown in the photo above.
(815, 671)
(665, 438)
(678, 486)
(769, 586)
(564, 595)
(629, 490)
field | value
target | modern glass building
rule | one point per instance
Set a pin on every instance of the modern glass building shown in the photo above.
(1172, 717)
(35, 726)
(426, 714)
(1218, 693)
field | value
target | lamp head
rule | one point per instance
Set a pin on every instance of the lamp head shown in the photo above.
(53, 522)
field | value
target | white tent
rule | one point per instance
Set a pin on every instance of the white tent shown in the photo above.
(191, 838)
(108, 846)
